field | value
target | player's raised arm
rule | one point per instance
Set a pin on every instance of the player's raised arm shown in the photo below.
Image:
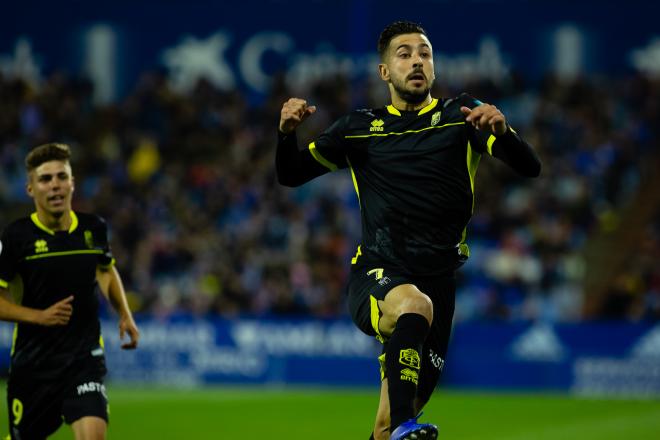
(500, 140)
(113, 289)
(294, 166)
(486, 117)
(293, 113)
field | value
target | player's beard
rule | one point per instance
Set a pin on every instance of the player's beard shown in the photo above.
(416, 96)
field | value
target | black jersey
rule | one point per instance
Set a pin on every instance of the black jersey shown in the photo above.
(52, 265)
(414, 175)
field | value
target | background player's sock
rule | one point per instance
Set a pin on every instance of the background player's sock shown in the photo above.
(403, 364)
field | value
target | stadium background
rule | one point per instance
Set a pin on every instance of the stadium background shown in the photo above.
(171, 109)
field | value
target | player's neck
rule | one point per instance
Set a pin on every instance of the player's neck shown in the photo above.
(55, 222)
(403, 105)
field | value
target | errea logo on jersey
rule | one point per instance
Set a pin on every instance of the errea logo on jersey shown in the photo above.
(40, 246)
(377, 125)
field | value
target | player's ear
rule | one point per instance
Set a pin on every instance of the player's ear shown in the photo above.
(384, 72)
(73, 183)
(28, 186)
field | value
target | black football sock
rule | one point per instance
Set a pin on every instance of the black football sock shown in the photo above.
(403, 364)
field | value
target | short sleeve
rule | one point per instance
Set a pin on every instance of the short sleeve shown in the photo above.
(106, 259)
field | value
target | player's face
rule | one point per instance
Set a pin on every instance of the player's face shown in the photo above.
(51, 187)
(409, 67)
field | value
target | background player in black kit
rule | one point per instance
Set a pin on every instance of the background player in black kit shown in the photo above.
(413, 164)
(57, 257)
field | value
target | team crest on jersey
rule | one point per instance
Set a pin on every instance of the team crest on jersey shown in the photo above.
(377, 125)
(89, 239)
(435, 118)
(40, 246)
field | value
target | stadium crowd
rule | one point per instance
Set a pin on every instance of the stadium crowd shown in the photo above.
(200, 225)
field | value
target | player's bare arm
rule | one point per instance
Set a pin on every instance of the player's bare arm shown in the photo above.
(293, 113)
(113, 289)
(486, 117)
(57, 314)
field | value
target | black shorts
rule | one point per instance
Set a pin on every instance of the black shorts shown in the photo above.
(367, 285)
(37, 408)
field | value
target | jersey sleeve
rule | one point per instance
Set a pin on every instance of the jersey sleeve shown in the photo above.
(478, 139)
(296, 166)
(509, 147)
(106, 259)
(7, 259)
(329, 148)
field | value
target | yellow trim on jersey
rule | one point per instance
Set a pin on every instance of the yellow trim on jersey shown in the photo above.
(38, 224)
(357, 255)
(429, 107)
(381, 362)
(107, 266)
(463, 236)
(64, 253)
(375, 317)
(393, 110)
(463, 248)
(396, 112)
(101, 342)
(394, 133)
(13, 339)
(489, 144)
(74, 222)
(492, 139)
(355, 185)
(320, 159)
(4, 284)
(472, 160)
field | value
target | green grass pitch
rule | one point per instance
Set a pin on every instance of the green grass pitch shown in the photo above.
(320, 414)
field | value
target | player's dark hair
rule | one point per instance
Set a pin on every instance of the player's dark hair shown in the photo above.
(394, 29)
(46, 153)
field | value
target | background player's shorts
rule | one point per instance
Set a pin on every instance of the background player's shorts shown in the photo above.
(367, 285)
(38, 407)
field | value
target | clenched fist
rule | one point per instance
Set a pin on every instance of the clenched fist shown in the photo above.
(294, 111)
(486, 117)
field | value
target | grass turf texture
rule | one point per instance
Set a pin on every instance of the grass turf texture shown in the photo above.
(319, 414)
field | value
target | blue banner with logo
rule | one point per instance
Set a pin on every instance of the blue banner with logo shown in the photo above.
(188, 352)
(245, 44)
(586, 359)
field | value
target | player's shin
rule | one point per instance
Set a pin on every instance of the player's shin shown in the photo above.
(403, 365)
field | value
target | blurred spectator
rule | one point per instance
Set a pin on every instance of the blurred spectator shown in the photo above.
(201, 226)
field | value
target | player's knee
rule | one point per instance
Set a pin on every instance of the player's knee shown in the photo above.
(418, 303)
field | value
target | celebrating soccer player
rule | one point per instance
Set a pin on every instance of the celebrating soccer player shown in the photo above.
(57, 257)
(413, 164)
